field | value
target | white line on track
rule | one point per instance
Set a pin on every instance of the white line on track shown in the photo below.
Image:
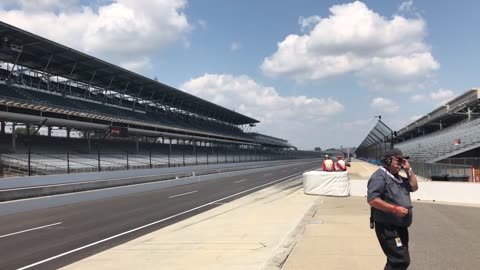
(267, 174)
(183, 194)
(32, 229)
(153, 223)
(239, 181)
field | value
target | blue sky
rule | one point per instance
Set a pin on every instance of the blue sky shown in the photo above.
(313, 72)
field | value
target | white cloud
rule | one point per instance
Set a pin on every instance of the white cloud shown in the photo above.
(295, 118)
(435, 98)
(442, 96)
(121, 31)
(384, 105)
(418, 98)
(406, 6)
(415, 118)
(235, 46)
(138, 65)
(39, 5)
(358, 124)
(383, 53)
(308, 23)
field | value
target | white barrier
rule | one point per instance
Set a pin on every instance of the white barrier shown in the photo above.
(326, 183)
(455, 192)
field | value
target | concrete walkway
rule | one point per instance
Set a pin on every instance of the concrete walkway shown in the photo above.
(276, 228)
(337, 237)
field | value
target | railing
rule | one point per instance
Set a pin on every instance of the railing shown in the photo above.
(467, 161)
(17, 166)
(437, 171)
(64, 163)
(443, 172)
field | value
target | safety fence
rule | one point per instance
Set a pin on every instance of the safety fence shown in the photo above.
(35, 163)
(439, 171)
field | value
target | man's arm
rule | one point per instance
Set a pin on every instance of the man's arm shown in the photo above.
(387, 207)
(412, 179)
(375, 189)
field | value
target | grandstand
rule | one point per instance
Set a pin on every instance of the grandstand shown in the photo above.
(449, 131)
(449, 135)
(45, 86)
(270, 141)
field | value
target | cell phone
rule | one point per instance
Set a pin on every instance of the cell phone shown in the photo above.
(409, 207)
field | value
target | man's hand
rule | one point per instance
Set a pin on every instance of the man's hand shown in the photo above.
(400, 211)
(412, 179)
(389, 208)
(406, 165)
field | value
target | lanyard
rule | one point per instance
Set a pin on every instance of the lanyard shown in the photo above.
(392, 176)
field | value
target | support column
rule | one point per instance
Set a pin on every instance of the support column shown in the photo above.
(136, 144)
(49, 131)
(68, 132)
(14, 138)
(2, 131)
(89, 141)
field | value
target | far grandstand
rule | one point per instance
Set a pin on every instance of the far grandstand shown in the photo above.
(63, 111)
(446, 138)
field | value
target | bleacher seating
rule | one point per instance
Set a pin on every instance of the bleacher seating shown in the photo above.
(53, 163)
(440, 144)
(49, 154)
(8, 92)
(55, 98)
(3, 74)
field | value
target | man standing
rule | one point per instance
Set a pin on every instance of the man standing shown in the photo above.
(328, 165)
(389, 197)
(341, 164)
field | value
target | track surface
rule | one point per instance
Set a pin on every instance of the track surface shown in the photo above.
(40, 239)
(445, 237)
(441, 237)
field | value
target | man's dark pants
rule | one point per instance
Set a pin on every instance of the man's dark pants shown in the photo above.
(398, 258)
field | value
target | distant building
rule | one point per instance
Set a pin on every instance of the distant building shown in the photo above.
(318, 149)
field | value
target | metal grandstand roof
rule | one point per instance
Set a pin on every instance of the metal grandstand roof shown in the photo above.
(378, 140)
(450, 113)
(379, 133)
(35, 52)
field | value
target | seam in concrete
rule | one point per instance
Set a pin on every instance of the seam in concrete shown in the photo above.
(287, 244)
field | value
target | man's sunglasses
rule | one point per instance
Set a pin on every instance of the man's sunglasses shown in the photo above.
(401, 160)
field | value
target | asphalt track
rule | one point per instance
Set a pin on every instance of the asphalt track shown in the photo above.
(445, 237)
(51, 238)
(441, 237)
